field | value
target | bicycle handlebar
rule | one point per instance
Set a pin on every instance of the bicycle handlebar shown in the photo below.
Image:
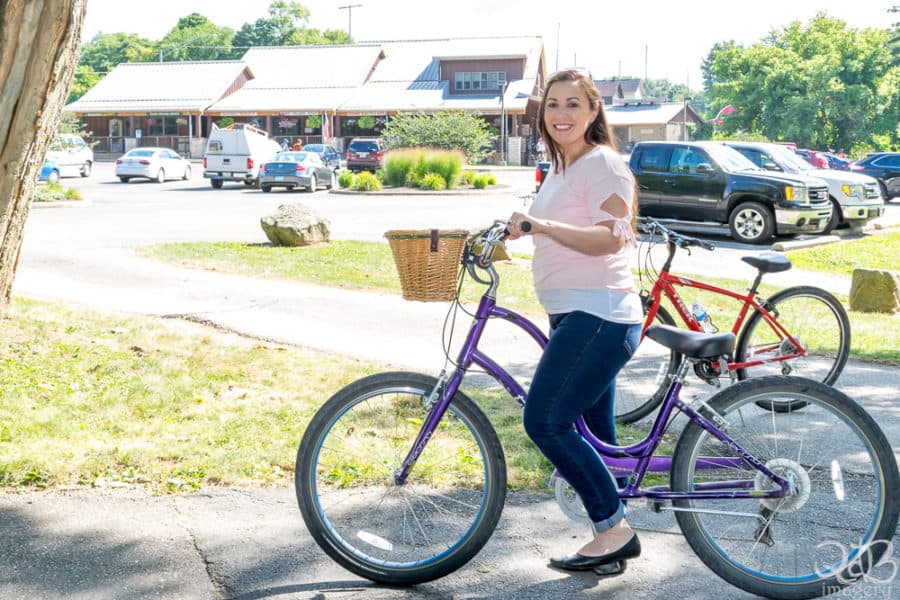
(651, 226)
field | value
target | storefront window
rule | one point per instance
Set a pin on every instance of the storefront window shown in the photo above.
(363, 126)
(162, 125)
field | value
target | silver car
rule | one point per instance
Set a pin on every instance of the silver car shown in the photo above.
(296, 169)
(157, 164)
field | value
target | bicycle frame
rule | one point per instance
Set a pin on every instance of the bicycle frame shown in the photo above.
(637, 458)
(665, 285)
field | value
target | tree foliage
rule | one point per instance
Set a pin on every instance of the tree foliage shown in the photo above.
(195, 37)
(278, 29)
(448, 130)
(821, 85)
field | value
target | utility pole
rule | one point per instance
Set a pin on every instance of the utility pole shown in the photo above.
(349, 8)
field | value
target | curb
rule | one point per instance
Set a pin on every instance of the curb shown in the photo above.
(494, 189)
(62, 204)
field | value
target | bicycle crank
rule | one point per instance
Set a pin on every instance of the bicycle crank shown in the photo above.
(569, 501)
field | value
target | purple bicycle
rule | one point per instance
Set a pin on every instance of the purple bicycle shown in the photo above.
(401, 478)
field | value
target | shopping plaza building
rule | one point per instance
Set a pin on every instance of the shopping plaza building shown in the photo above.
(334, 93)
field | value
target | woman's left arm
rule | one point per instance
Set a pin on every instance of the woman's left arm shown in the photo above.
(593, 240)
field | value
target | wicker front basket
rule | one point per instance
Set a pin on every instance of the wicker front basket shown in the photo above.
(428, 262)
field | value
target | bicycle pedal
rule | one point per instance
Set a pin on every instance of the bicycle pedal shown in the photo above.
(612, 569)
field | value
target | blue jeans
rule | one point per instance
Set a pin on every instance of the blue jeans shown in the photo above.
(576, 376)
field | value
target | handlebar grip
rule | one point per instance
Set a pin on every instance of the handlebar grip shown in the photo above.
(525, 226)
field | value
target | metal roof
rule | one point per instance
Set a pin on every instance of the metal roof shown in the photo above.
(300, 79)
(160, 87)
(377, 76)
(648, 114)
(408, 77)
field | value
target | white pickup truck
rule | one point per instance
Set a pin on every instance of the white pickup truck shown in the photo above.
(235, 153)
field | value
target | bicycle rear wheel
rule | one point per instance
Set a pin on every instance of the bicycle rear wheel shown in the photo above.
(642, 383)
(836, 525)
(399, 533)
(816, 320)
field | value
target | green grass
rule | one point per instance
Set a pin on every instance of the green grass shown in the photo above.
(108, 400)
(370, 266)
(870, 252)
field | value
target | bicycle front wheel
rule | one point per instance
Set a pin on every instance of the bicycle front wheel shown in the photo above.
(642, 383)
(840, 515)
(818, 323)
(394, 533)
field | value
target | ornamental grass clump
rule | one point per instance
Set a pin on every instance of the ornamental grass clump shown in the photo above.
(366, 182)
(480, 182)
(432, 181)
(345, 179)
(447, 164)
(398, 164)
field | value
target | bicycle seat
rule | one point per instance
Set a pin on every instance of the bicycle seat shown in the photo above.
(768, 262)
(694, 344)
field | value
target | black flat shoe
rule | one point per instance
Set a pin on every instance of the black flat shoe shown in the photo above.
(580, 562)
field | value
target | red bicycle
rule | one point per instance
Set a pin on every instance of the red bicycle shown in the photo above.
(801, 330)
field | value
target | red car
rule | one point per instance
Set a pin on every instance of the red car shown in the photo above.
(814, 157)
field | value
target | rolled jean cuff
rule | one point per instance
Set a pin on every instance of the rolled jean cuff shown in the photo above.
(610, 522)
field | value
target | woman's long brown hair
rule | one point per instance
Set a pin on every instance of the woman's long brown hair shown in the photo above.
(597, 133)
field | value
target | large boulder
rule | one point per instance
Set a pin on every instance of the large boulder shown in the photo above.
(873, 290)
(296, 225)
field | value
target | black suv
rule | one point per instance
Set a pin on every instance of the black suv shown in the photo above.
(883, 166)
(365, 154)
(708, 182)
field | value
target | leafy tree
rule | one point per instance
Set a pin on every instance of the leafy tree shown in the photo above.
(85, 79)
(106, 50)
(195, 37)
(448, 130)
(821, 85)
(286, 18)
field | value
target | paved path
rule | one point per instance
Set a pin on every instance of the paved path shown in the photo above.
(249, 544)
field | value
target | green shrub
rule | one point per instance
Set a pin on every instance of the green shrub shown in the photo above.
(445, 163)
(490, 178)
(432, 181)
(54, 192)
(345, 179)
(453, 130)
(398, 165)
(480, 182)
(467, 177)
(366, 182)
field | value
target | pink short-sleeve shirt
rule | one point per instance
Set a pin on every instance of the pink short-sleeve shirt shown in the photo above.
(567, 280)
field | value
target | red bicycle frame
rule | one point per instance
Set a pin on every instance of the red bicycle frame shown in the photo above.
(665, 285)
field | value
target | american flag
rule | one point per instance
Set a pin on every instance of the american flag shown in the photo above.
(326, 127)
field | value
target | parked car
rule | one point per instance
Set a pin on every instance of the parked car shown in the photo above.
(49, 171)
(296, 169)
(709, 182)
(365, 154)
(329, 154)
(72, 155)
(837, 162)
(157, 164)
(855, 198)
(540, 173)
(883, 166)
(813, 157)
(234, 153)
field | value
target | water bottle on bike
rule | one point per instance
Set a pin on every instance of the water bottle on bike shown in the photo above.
(703, 317)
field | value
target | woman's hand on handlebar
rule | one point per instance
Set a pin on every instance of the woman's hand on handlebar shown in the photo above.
(521, 224)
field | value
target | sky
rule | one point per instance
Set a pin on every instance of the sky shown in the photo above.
(643, 38)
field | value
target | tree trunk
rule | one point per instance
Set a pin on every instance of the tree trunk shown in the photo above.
(39, 46)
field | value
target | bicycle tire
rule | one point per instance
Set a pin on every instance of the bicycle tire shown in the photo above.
(640, 385)
(837, 525)
(814, 317)
(399, 534)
